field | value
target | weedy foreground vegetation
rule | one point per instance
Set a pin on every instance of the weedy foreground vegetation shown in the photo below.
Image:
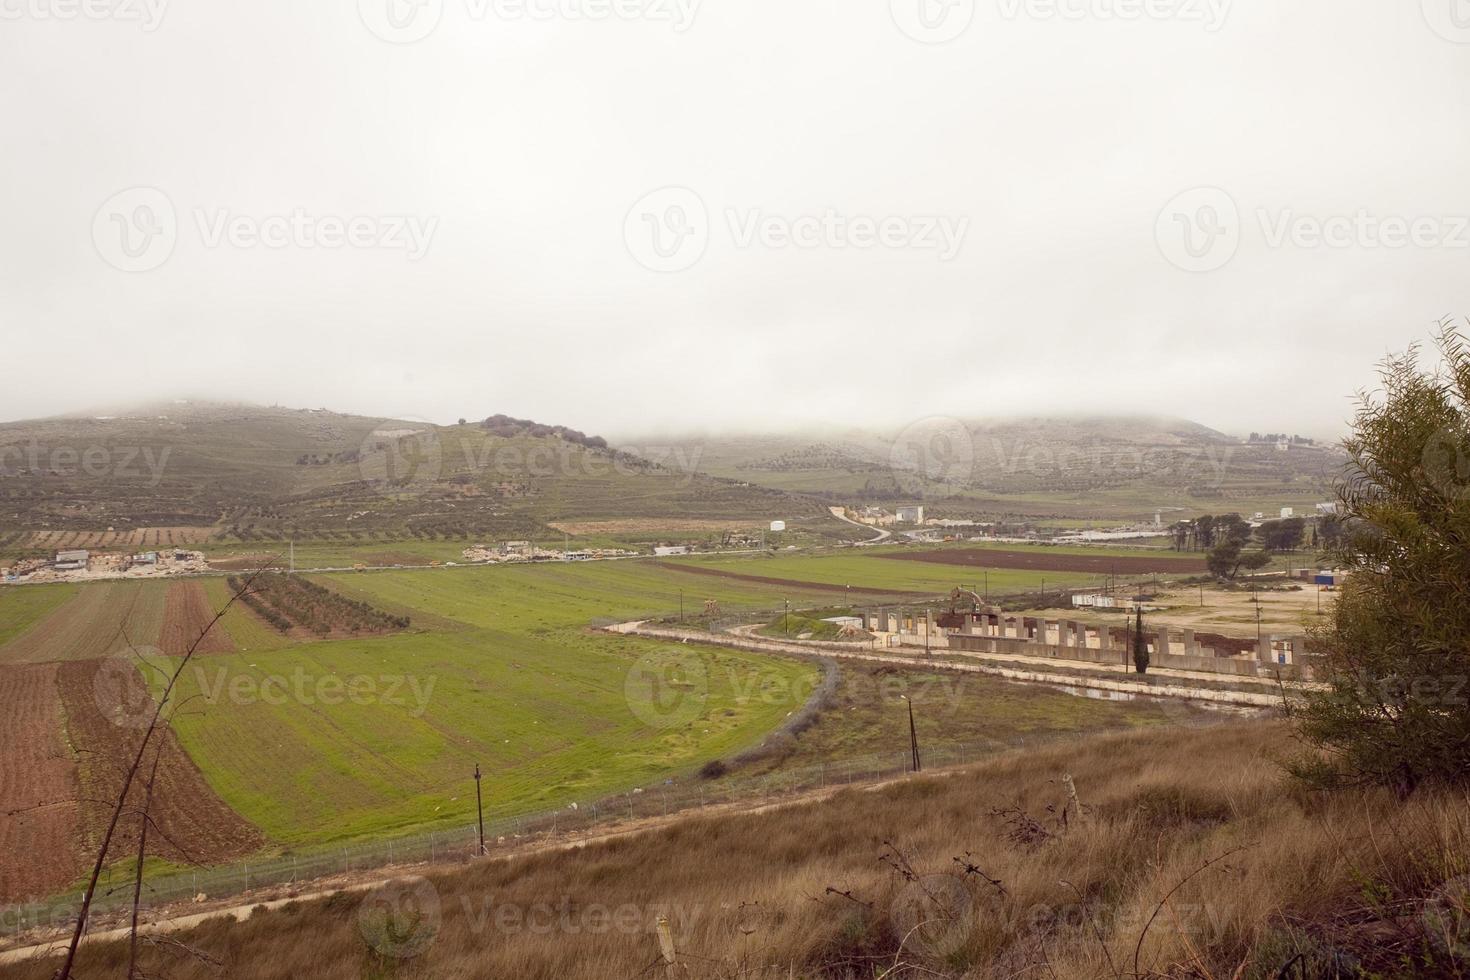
(1164, 866)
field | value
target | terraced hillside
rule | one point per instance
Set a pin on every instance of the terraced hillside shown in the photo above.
(1088, 468)
(207, 475)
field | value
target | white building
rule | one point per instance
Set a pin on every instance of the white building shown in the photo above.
(671, 551)
(72, 561)
(911, 515)
(778, 526)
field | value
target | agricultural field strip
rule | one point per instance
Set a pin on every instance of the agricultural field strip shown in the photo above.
(522, 666)
(93, 623)
(874, 573)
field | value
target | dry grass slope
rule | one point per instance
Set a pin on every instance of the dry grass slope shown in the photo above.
(1191, 857)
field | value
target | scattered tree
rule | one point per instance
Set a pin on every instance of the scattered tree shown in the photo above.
(1140, 645)
(1395, 656)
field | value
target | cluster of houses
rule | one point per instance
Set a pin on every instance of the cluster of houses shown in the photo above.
(78, 565)
(516, 552)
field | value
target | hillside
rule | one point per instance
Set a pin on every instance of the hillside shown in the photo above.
(1169, 868)
(1100, 467)
(240, 473)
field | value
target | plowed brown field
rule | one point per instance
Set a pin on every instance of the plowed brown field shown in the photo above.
(186, 614)
(1045, 561)
(39, 825)
(194, 823)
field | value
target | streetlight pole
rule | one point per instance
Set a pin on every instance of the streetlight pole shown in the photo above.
(787, 617)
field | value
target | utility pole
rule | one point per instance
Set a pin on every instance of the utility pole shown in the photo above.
(786, 619)
(681, 607)
(913, 737)
(480, 808)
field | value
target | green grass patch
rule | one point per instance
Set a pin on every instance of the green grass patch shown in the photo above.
(23, 606)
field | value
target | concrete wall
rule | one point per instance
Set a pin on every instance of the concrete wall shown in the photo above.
(1114, 657)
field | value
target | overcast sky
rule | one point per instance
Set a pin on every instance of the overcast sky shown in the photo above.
(730, 213)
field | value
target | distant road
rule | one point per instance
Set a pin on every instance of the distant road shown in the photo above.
(841, 514)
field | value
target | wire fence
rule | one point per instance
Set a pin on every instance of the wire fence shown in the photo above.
(503, 834)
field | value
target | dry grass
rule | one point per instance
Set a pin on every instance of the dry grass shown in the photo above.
(973, 873)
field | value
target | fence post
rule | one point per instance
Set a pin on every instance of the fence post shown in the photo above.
(666, 945)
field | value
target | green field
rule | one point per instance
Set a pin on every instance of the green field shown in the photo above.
(21, 609)
(499, 669)
(867, 569)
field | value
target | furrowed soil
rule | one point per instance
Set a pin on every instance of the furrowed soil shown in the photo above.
(194, 823)
(39, 824)
(101, 620)
(186, 615)
(1040, 561)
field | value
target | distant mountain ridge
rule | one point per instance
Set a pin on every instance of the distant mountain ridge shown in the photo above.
(256, 472)
(1037, 465)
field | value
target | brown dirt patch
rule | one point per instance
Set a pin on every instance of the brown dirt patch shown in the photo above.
(1041, 561)
(785, 582)
(194, 822)
(39, 824)
(186, 615)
